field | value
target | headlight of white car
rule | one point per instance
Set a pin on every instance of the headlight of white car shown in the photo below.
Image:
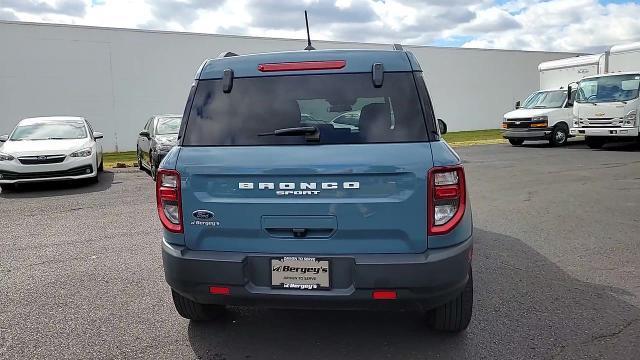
(630, 119)
(6, 157)
(540, 118)
(82, 153)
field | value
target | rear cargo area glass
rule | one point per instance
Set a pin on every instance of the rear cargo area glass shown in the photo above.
(345, 108)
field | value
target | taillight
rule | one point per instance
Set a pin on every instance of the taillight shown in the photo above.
(303, 65)
(446, 198)
(169, 202)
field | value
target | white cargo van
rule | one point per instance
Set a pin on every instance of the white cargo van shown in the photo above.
(607, 107)
(547, 114)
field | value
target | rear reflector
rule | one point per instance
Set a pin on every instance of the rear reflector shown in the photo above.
(384, 295)
(447, 192)
(303, 65)
(219, 290)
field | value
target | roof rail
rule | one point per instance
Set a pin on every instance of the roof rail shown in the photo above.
(225, 54)
(397, 47)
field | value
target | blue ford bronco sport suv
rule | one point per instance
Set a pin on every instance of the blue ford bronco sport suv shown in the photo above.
(315, 179)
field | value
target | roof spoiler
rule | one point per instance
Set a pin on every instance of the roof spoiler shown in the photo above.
(397, 47)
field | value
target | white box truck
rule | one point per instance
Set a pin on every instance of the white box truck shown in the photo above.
(546, 114)
(607, 107)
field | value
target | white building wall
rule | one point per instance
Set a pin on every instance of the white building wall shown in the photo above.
(118, 78)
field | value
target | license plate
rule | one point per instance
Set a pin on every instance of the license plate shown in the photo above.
(302, 273)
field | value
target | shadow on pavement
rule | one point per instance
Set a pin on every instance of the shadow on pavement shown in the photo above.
(580, 144)
(572, 143)
(60, 188)
(525, 307)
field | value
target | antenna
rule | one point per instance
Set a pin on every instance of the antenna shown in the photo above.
(306, 20)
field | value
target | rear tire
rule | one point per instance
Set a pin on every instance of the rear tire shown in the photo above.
(154, 168)
(191, 310)
(595, 142)
(559, 136)
(516, 142)
(7, 187)
(139, 159)
(455, 315)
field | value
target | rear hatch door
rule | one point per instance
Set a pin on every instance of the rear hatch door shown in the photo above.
(356, 184)
(324, 199)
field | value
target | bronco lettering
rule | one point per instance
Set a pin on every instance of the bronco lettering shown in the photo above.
(304, 188)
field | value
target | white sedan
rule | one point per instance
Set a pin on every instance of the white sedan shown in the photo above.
(53, 148)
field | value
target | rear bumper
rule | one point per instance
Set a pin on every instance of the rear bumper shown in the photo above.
(421, 281)
(528, 134)
(613, 132)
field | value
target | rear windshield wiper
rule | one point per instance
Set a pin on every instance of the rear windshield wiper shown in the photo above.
(310, 133)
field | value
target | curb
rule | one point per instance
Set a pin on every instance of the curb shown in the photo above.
(478, 142)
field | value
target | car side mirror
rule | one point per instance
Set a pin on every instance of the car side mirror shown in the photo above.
(518, 105)
(97, 135)
(570, 96)
(4, 138)
(145, 133)
(442, 126)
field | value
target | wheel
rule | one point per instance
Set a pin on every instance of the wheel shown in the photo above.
(516, 142)
(7, 187)
(595, 142)
(191, 310)
(154, 170)
(101, 166)
(95, 179)
(139, 159)
(455, 315)
(559, 136)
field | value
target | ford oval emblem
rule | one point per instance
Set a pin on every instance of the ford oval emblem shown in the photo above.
(203, 214)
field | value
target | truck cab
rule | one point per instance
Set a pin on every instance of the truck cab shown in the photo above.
(607, 108)
(544, 115)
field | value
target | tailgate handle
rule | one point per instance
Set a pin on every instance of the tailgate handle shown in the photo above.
(300, 226)
(299, 233)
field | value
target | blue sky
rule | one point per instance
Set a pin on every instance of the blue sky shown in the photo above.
(562, 25)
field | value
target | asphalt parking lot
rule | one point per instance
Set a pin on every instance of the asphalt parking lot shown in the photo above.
(556, 266)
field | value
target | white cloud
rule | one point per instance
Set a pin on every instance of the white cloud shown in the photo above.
(575, 25)
(565, 25)
(343, 4)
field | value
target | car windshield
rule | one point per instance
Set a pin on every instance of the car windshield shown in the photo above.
(168, 125)
(342, 109)
(50, 131)
(609, 88)
(545, 100)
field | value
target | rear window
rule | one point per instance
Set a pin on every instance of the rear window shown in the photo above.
(345, 108)
(168, 125)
